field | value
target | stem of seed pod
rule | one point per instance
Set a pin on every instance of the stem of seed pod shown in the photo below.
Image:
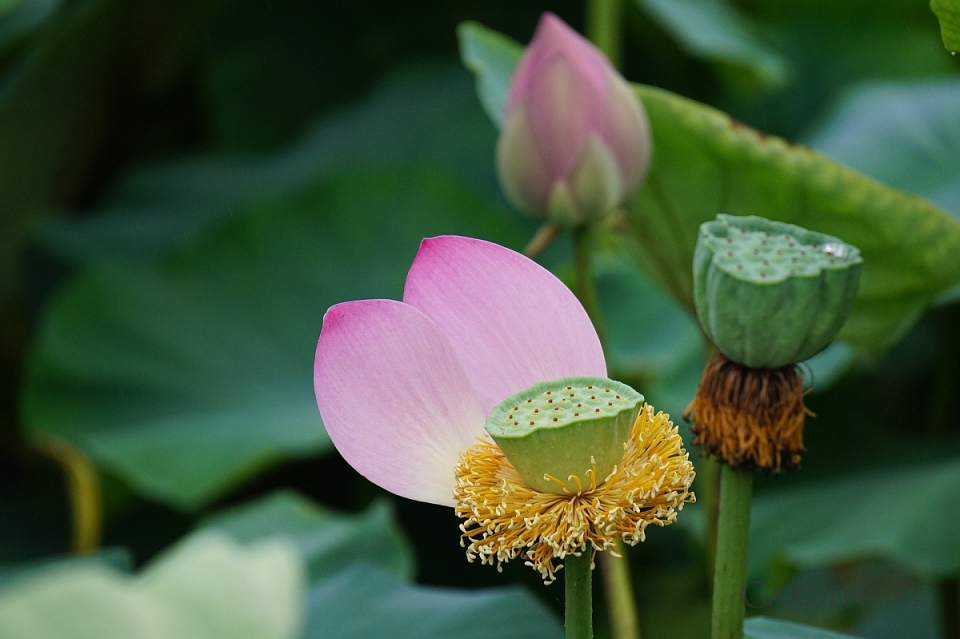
(621, 606)
(603, 27)
(578, 606)
(730, 575)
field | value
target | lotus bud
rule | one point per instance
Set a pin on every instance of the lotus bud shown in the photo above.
(575, 140)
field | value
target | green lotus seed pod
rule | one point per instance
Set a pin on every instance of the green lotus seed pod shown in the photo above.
(564, 435)
(769, 294)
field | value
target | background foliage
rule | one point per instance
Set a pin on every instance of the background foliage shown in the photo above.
(186, 186)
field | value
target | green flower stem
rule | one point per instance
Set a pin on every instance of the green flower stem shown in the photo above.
(620, 600)
(543, 238)
(603, 27)
(578, 606)
(616, 577)
(584, 286)
(730, 576)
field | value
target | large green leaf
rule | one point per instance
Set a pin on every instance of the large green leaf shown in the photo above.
(327, 541)
(492, 56)
(948, 12)
(904, 134)
(714, 31)
(646, 330)
(365, 603)
(886, 516)
(358, 566)
(704, 163)
(908, 245)
(57, 100)
(164, 206)
(187, 376)
(209, 586)
(54, 104)
(119, 559)
(764, 628)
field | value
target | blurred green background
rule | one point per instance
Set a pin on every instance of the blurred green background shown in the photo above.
(187, 185)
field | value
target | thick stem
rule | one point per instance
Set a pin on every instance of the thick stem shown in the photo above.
(578, 605)
(730, 576)
(603, 27)
(83, 485)
(948, 600)
(621, 605)
(584, 286)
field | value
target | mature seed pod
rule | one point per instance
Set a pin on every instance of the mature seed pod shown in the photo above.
(770, 294)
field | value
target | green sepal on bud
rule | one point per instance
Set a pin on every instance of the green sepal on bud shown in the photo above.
(770, 294)
(565, 435)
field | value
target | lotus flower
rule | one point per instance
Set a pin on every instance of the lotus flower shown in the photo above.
(575, 140)
(405, 388)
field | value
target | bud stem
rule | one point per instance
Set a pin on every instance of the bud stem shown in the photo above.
(730, 576)
(578, 605)
(584, 287)
(543, 238)
(603, 27)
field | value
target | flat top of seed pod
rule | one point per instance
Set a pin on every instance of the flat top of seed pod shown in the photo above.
(560, 402)
(763, 251)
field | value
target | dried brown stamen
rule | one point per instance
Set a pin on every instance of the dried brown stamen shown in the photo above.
(750, 418)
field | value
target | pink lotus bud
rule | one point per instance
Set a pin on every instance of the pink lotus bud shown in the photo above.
(575, 140)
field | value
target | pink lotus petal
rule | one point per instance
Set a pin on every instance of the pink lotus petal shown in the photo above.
(512, 323)
(394, 397)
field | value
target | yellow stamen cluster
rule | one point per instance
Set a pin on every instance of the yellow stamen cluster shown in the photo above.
(506, 518)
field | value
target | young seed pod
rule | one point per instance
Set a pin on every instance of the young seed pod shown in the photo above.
(565, 435)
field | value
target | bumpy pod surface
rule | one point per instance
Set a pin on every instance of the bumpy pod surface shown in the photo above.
(564, 435)
(770, 294)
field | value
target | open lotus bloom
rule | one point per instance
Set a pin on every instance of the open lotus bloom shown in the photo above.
(575, 140)
(406, 389)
